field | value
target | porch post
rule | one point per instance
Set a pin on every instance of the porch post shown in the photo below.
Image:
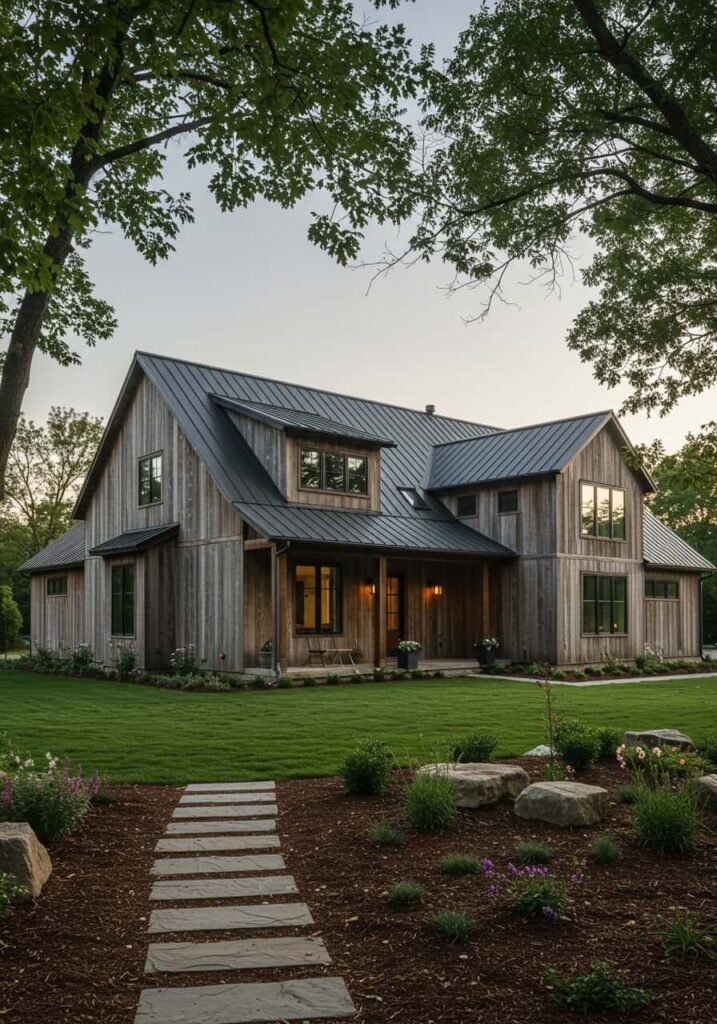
(280, 607)
(379, 615)
(485, 599)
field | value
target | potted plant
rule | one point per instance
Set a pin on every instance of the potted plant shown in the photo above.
(408, 653)
(266, 655)
(485, 649)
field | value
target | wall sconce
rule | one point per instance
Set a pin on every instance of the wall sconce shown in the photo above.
(371, 586)
(436, 589)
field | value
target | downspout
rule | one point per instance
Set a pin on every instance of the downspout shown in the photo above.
(276, 553)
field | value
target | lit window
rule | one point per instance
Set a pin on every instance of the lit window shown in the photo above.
(604, 604)
(602, 511)
(465, 505)
(317, 599)
(333, 471)
(150, 480)
(507, 501)
(57, 586)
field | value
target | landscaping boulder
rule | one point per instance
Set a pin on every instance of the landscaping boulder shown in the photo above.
(478, 784)
(23, 855)
(562, 803)
(707, 791)
(542, 750)
(659, 738)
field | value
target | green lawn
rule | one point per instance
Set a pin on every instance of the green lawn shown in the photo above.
(141, 734)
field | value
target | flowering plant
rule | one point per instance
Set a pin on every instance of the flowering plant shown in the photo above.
(184, 660)
(661, 764)
(531, 889)
(489, 643)
(53, 799)
(406, 646)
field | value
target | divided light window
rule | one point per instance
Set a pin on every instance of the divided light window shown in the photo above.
(604, 604)
(57, 586)
(602, 511)
(150, 480)
(662, 589)
(317, 599)
(466, 506)
(333, 471)
(507, 501)
(122, 600)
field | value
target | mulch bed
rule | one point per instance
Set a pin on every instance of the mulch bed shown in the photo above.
(77, 954)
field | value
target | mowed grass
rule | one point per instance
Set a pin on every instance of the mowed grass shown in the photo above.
(142, 734)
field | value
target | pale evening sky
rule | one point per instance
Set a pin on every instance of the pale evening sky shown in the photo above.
(249, 292)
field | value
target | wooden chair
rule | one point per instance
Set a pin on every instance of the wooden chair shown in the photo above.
(315, 649)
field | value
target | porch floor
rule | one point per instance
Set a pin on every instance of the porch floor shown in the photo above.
(454, 666)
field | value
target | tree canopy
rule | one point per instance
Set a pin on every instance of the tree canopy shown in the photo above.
(278, 99)
(592, 117)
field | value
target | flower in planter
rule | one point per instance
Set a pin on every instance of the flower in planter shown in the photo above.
(408, 646)
(488, 643)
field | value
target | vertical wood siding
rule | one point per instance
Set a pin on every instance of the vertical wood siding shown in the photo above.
(673, 625)
(58, 622)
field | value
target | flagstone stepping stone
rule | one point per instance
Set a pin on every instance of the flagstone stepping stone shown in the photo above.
(250, 1003)
(235, 811)
(659, 738)
(562, 803)
(208, 919)
(182, 828)
(236, 955)
(217, 865)
(205, 844)
(223, 888)
(227, 798)
(226, 787)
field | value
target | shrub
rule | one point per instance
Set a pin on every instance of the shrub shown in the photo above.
(601, 990)
(627, 794)
(661, 764)
(285, 683)
(9, 892)
(384, 833)
(10, 618)
(461, 864)
(667, 820)
(576, 743)
(708, 748)
(333, 679)
(184, 660)
(81, 660)
(579, 674)
(476, 747)
(53, 800)
(124, 660)
(405, 894)
(454, 925)
(687, 935)
(531, 852)
(535, 892)
(379, 675)
(431, 803)
(608, 741)
(399, 674)
(309, 680)
(368, 768)
(558, 674)
(604, 851)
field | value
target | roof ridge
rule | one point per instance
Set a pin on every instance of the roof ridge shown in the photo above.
(526, 426)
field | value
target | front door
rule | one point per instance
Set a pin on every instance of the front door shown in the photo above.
(394, 613)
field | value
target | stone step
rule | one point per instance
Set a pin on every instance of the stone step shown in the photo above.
(235, 955)
(218, 865)
(205, 844)
(227, 787)
(222, 888)
(208, 919)
(256, 1003)
(183, 828)
(235, 811)
(228, 798)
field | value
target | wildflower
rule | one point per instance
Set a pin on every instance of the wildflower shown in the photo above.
(492, 890)
(488, 866)
(657, 752)
(682, 760)
(569, 770)
(641, 755)
(550, 914)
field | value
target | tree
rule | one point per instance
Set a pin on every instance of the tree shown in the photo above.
(10, 619)
(279, 99)
(594, 117)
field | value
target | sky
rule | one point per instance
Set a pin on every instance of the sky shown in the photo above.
(248, 291)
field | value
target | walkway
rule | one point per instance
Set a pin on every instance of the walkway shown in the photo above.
(227, 830)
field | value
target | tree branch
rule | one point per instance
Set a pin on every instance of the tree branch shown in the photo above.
(139, 145)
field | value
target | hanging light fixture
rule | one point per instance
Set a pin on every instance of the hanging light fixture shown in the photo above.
(436, 589)
(371, 586)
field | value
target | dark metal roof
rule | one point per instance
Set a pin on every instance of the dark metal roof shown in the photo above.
(538, 450)
(664, 549)
(136, 540)
(67, 552)
(301, 422)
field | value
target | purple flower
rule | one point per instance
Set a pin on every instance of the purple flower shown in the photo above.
(487, 866)
(7, 790)
(550, 914)
(493, 890)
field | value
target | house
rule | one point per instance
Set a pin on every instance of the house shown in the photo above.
(239, 513)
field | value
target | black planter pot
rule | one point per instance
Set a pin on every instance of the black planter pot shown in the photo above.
(407, 659)
(486, 655)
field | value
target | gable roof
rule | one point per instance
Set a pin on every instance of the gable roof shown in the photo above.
(67, 552)
(664, 549)
(539, 450)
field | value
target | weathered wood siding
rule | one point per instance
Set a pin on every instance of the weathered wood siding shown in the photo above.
(674, 625)
(529, 531)
(267, 443)
(573, 647)
(58, 622)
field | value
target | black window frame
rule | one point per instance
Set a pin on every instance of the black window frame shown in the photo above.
(473, 508)
(336, 628)
(124, 615)
(153, 480)
(596, 600)
(511, 492)
(56, 586)
(652, 587)
(323, 453)
(594, 535)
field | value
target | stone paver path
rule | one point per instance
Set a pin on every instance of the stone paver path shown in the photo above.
(212, 821)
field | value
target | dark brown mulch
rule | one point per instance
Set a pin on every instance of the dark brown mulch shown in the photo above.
(77, 955)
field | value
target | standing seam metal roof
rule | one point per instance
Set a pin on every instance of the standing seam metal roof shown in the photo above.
(67, 552)
(664, 548)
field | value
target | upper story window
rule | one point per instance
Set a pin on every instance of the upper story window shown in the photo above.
(333, 471)
(465, 505)
(602, 511)
(663, 589)
(57, 586)
(507, 502)
(150, 480)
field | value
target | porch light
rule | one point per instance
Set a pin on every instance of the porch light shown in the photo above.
(436, 589)
(371, 586)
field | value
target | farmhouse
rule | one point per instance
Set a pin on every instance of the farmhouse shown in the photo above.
(263, 520)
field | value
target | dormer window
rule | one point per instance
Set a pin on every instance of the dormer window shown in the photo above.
(333, 471)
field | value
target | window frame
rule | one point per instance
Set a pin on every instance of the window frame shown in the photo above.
(122, 567)
(596, 485)
(322, 489)
(654, 582)
(54, 580)
(140, 462)
(509, 511)
(612, 577)
(317, 567)
(467, 515)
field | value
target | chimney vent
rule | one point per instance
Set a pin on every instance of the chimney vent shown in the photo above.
(430, 409)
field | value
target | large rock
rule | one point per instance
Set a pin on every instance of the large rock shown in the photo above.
(478, 785)
(659, 738)
(23, 855)
(707, 791)
(562, 803)
(542, 750)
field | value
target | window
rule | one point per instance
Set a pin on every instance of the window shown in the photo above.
(413, 498)
(602, 511)
(150, 480)
(123, 600)
(466, 505)
(57, 586)
(507, 501)
(604, 604)
(333, 471)
(317, 599)
(662, 589)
